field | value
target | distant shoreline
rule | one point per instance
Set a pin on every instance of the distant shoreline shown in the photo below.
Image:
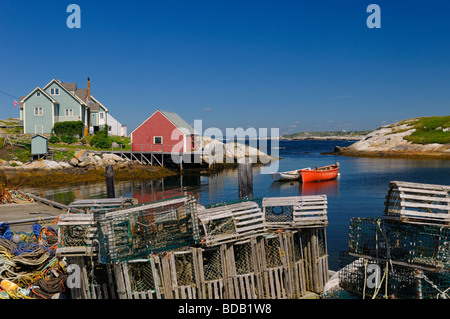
(323, 138)
(392, 154)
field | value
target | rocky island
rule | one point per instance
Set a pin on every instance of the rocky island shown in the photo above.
(423, 137)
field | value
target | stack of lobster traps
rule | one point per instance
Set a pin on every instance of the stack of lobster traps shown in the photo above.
(404, 254)
(176, 248)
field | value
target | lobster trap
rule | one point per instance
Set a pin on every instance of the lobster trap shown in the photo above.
(77, 235)
(228, 223)
(278, 266)
(418, 203)
(100, 204)
(405, 254)
(375, 278)
(77, 230)
(422, 245)
(141, 230)
(295, 212)
(174, 248)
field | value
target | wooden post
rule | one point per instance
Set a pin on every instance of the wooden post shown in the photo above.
(110, 181)
(245, 178)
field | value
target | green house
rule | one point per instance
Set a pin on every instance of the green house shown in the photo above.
(60, 102)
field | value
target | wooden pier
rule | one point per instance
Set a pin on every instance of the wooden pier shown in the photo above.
(162, 158)
(22, 216)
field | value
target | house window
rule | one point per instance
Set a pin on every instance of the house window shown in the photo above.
(101, 115)
(157, 140)
(38, 111)
(54, 91)
(69, 112)
(38, 93)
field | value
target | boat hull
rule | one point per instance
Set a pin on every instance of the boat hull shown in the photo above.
(289, 176)
(286, 176)
(321, 174)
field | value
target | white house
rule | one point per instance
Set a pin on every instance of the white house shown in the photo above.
(115, 127)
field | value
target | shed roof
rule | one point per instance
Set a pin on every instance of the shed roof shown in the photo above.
(178, 122)
(175, 119)
(39, 135)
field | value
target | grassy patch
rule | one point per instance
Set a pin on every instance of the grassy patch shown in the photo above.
(430, 130)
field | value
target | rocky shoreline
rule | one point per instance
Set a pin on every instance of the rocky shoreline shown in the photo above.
(389, 141)
(87, 166)
(83, 167)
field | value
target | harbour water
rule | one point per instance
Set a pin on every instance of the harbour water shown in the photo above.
(359, 191)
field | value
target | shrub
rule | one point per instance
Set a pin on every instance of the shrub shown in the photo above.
(102, 142)
(68, 139)
(69, 128)
(54, 139)
(101, 139)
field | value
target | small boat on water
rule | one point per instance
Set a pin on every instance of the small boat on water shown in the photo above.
(289, 175)
(324, 173)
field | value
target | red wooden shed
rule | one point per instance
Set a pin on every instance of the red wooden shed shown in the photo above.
(164, 131)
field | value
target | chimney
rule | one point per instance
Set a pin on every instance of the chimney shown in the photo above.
(88, 90)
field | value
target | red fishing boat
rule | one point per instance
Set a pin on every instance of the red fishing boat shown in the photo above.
(320, 174)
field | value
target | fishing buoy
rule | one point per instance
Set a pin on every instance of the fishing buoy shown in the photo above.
(8, 285)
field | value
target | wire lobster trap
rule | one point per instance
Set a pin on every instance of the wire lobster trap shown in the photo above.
(142, 230)
(213, 273)
(375, 278)
(423, 245)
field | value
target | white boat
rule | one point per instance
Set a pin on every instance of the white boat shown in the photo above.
(289, 175)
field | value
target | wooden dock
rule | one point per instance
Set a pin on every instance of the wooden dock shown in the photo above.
(22, 216)
(163, 158)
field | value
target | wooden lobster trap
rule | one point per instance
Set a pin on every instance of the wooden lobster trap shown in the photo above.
(229, 223)
(77, 230)
(295, 212)
(418, 203)
(142, 230)
(100, 204)
(77, 235)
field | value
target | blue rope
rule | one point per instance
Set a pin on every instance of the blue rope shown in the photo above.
(5, 231)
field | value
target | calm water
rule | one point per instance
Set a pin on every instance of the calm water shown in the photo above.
(359, 191)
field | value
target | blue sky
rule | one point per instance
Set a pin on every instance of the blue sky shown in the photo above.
(295, 65)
